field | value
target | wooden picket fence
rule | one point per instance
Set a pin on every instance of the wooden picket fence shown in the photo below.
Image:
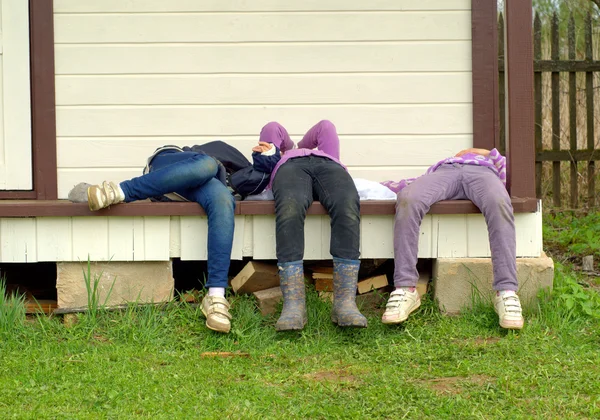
(574, 137)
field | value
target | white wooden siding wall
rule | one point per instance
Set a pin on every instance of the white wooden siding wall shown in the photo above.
(393, 75)
(162, 238)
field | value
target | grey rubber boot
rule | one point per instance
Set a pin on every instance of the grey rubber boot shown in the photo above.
(345, 277)
(291, 281)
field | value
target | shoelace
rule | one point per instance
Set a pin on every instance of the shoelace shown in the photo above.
(512, 304)
(396, 298)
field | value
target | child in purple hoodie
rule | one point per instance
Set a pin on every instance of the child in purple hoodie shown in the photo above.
(313, 172)
(473, 174)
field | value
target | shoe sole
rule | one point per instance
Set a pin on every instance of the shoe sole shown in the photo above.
(510, 326)
(92, 202)
(224, 331)
(401, 320)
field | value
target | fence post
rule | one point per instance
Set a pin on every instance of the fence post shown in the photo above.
(555, 55)
(589, 98)
(573, 113)
(537, 81)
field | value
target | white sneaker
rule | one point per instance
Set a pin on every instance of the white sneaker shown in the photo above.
(400, 305)
(508, 307)
(216, 311)
(102, 196)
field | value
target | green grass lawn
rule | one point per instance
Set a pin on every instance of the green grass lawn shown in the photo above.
(150, 362)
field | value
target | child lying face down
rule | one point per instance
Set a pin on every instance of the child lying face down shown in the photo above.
(473, 174)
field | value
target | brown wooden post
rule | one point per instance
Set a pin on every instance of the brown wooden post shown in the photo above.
(537, 54)
(555, 55)
(484, 16)
(520, 107)
(501, 86)
(43, 112)
(573, 112)
(589, 99)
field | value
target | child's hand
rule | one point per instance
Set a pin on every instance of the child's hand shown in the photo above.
(482, 152)
(262, 147)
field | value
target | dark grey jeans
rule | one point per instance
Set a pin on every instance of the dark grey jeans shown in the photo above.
(297, 183)
(456, 182)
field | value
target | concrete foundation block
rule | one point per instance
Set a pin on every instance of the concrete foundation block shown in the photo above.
(117, 283)
(458, 282)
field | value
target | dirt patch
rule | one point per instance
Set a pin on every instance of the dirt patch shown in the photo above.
(331, 376)
(455, 384)
(482, 341)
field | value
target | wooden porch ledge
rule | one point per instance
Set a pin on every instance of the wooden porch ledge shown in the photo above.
(64, 208)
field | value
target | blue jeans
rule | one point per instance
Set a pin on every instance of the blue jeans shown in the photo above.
(192, 175)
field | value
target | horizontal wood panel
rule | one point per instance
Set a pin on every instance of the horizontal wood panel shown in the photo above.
(68, 178)
(383, 88)
(174, 6)
(115, 152)
(263, 27)
(248, 120)
(64, 208)
(264, 58)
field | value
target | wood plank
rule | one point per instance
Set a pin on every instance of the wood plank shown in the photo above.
(53, 238)
(556, 130)
(90, 239)
(478, 243)
(263, 241)
(528, 228)
(190, 6)
(194, 234)
(43, 116)
(238, 238)
(64, 208)
(156, 239)
(567, 155)
(272, 89)
(264, 58)
(590, 120)
(537, 54)
(485, 74)
(188, 120)
(573, 114)
(17, 240)
(261, 27)
(519, 53)
(16, 150)
(121, 238)
(372, 243)
(128, 152)
(452, 236)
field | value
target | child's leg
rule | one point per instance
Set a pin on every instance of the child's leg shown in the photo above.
(171, 172)
(219, 205)
(487, 192)
(275, 133)
(292, 190)
(412, 204)
(323, 136)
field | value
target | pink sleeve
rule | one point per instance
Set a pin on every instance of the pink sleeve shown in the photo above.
(499, 162)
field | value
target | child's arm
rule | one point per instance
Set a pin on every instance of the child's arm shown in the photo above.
(499, 162)
(265, 156)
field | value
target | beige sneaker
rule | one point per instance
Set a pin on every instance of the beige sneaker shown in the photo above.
(400, 305)
(102, 196)
(508, 307)
(216, 311)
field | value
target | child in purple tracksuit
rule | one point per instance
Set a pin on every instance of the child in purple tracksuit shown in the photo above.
(313, 172)
(478, 175)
